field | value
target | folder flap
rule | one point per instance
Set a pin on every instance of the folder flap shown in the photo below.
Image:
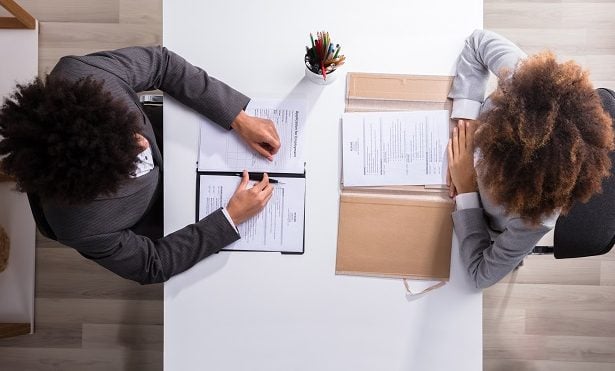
(406, 198)
(402, 189)
(411, 88)
(394, 236)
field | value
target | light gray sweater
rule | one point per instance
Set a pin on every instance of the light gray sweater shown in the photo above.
(492, 243)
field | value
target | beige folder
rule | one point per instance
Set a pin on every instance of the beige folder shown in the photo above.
(402, 231)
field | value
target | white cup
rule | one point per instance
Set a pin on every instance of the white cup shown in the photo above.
(317, 78)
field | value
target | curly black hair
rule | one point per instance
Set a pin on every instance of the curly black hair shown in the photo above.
(67, 141)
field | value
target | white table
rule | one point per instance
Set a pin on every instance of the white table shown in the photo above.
(267, 311)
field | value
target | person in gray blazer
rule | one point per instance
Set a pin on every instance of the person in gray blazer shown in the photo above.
(521, 157)
(81, 145)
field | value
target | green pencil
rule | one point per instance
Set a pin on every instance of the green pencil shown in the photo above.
(337, 51)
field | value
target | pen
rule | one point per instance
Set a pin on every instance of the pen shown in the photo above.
(259, 177)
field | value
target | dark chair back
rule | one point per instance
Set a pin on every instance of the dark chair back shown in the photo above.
(589, 229)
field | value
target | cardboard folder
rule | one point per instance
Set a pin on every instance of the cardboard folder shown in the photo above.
(402, 231)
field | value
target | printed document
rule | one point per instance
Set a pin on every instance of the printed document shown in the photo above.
(279, 227)
(221, 150)
(395, 148)
(223, 156)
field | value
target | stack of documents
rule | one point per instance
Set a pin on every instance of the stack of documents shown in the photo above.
(395, 148)
(222, 158)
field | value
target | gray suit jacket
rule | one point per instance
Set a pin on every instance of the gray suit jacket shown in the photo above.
(101, 230)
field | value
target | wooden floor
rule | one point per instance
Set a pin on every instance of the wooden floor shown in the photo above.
(555, 315)
(549, 315)
(86, 318)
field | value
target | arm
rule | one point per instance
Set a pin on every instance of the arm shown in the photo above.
(487, 262)
(141, 259)
(149, 68)
(484, 51)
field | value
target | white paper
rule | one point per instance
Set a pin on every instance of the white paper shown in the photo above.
(221, 150)
(278, 227)
(395, 148)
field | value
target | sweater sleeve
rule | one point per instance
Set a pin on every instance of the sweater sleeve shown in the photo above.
(484, 51)
(488, 262)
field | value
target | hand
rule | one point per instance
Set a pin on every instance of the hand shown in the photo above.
(247, 202)
(452, 191)
(461, 172)
(260, 134)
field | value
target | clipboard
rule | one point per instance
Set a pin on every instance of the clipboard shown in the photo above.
(395, 231)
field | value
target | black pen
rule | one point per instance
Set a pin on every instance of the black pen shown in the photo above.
(259, 177)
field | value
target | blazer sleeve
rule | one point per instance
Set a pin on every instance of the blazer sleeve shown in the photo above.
(150, 68)
(484, 51)
(146, 261)
(488, 262)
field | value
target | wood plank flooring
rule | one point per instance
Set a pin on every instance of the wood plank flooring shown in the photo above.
(87, 318)
(555, 314)
(549, 315)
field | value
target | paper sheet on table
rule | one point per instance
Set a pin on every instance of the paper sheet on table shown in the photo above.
(279, 227)
(221, 150)
(395, 148)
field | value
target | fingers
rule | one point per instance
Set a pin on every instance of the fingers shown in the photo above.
(268, 196)
(275, 145)
(245, 178)
(263, 184)
(449, 180)
(462, 134)
(258, 147)
(455, 141)
(470, 128)
(271, 137)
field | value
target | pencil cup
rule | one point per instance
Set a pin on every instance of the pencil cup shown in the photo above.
(318, 78)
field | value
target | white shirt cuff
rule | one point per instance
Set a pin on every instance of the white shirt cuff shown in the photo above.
(228, 217)
(467, 201)
(465, 109)
(145, 163)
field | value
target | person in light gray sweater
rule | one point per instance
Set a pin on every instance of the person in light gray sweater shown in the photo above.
(522, 156)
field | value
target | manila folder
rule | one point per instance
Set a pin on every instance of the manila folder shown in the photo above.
(394, 235)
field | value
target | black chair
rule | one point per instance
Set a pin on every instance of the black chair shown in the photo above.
(589, 228)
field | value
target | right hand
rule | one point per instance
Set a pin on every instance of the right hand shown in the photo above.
(247, 202)
(258, 133)
(461, 172)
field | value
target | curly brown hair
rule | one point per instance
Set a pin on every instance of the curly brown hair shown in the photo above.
(546, 141)
(67, 141)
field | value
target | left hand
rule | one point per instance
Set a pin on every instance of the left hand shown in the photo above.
(461, 158)
(260, 134)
